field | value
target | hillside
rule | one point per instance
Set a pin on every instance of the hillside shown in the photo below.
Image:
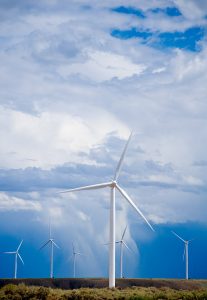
(145, 289)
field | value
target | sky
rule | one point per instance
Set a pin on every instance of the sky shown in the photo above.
(76, 77)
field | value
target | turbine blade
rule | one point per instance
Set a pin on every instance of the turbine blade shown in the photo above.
(124, 194)
(45, 244)
(178, 236)
(124, 233)
(118, 168)
(20, 258)
(117, 242)
(9, 252)
(55, 245)
(19, 245)
(88, 187)
(127, 247)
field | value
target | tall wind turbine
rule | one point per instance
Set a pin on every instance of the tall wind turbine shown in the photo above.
(122, 245)
(17, 255)
(186, 243)
(52, 244)
(113, 185)
(74, 259)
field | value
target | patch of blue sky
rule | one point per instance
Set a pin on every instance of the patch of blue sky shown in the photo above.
(170, 11)
(188, 40)
(131, 33)
(130, 11)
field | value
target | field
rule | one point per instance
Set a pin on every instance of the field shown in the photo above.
(51, 289)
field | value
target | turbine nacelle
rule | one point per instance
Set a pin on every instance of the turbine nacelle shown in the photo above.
(113, 184)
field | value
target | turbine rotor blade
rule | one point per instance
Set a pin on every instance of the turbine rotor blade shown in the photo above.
(55, 245)
(20, 258)
(117, 242)
(88, 187)
(124, 194)
(118, 168)
(124, 233)
(19, 245)
(13, 252)
(45, 244)
(127, 247)
(178, 236)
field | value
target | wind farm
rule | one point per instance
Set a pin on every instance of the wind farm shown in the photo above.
(103, 117)
(123, 282)
(141, 287)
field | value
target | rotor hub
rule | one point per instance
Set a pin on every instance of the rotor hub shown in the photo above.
(113, 183)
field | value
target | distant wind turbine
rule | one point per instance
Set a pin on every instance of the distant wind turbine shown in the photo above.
(185, 253)
(17, 255)
(74, 260)
(113, 185)
(52, 244)
(122, 245)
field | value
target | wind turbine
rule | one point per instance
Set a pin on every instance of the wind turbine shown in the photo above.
(52, 244)
(74, 259)
(113, 185)
(17, 255)
(185, 253)
(122, 245)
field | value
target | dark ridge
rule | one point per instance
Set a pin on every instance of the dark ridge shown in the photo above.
(76, 283)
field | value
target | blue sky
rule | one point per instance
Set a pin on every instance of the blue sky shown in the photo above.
(76, 78)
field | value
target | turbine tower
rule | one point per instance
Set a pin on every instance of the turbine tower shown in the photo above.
(113, 185)
(17, 255)
(74, 259)
(52, 244)
(122, 245)
(185, 253)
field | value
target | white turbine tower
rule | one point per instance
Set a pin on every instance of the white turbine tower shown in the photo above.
(74, 259)
(17, 255)
(122, 245)
(52, 244)
(113, 185)
(186, 243)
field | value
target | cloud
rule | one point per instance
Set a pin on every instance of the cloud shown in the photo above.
(103, 66)
(10, 203)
